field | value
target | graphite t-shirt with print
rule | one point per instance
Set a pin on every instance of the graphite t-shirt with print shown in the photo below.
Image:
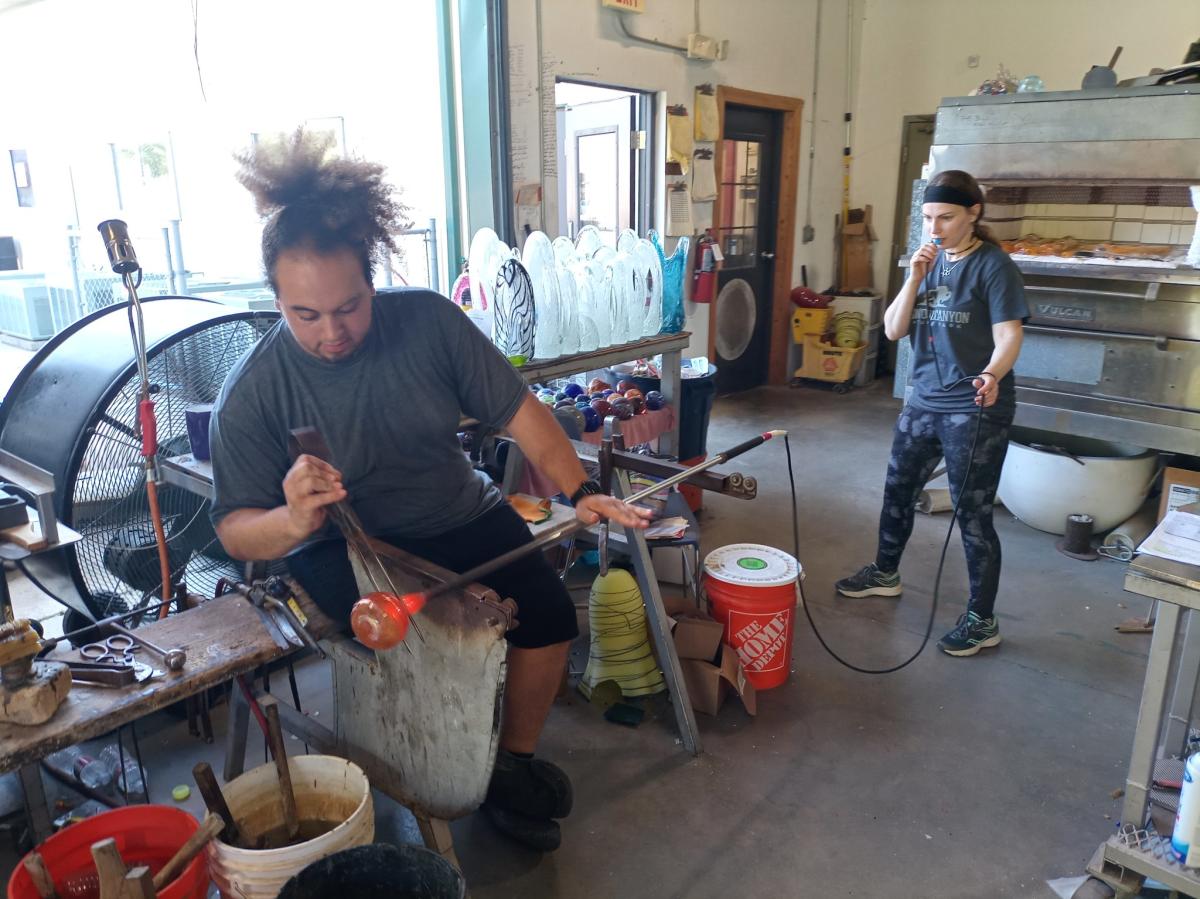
(951, 331)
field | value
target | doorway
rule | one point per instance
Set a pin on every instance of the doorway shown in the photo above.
(749, 189)
(754, 223)
(604, 167)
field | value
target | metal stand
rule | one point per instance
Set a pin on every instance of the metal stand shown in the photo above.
(1138, 851)
(660, 627)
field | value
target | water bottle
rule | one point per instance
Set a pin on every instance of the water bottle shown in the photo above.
(96, 773)
(1188, 815)
(127, 779)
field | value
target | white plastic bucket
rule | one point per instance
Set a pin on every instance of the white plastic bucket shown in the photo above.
(1108, 482)
(326, 787)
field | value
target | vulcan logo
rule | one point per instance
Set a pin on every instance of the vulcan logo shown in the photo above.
(761, 642)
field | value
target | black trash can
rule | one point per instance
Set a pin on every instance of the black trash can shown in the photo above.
(694, 406)
(378, 871)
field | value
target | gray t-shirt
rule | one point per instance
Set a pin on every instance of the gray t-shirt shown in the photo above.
(956, 307)
(389, 413)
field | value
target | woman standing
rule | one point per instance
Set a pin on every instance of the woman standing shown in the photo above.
(963, 305)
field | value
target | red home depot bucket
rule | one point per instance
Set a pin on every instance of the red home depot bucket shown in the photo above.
(752, 591)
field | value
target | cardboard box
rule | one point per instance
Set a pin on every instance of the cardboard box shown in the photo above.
(709, 685)
(697, 638)
(857, 237)
(1180, 487)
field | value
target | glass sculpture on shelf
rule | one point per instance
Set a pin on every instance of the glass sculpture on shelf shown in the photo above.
(561, 297)
(515, 323)
(588, 241)
(673, 270)
(486, 255)
(538, 259)
(649, 266)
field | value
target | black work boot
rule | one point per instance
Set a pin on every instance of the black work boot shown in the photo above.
(538, 834)
(531, 787)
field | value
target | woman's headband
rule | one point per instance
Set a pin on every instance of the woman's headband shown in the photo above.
(944, 193)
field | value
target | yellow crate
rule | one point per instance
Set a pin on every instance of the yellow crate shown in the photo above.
(824, 362)
(809, 321)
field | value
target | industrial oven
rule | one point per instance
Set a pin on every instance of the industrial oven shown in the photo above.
(1090, 193)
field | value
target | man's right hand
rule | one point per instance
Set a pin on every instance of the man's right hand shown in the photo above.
(309, 486)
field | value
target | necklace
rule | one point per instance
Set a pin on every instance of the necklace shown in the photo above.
(947, 268)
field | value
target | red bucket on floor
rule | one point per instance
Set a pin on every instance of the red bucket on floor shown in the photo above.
(145, 834)
(752, 591)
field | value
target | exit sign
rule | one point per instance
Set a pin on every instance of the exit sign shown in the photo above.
(625, 5)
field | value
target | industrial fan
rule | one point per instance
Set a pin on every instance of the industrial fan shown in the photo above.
(73, 412)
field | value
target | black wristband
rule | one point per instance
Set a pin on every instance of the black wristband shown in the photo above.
(587, 488)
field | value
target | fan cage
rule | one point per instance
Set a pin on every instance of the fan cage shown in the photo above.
(116, 565)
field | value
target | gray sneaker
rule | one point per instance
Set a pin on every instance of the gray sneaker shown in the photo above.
(870, 581)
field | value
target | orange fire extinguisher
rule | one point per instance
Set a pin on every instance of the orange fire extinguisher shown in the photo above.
(704, 278)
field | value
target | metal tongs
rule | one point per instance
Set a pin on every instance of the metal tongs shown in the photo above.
(310, 441)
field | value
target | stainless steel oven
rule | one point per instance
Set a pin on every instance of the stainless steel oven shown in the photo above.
(1112, 348)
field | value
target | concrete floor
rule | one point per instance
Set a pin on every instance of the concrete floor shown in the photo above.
(980, 777)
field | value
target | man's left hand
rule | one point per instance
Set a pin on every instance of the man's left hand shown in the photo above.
(987, 389)
(592, 509)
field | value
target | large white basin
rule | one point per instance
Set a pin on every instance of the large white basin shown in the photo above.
(1042, 487)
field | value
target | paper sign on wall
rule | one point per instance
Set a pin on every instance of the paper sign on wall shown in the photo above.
(704, 176)
(679, 137)
(707, 121)
(679, 210)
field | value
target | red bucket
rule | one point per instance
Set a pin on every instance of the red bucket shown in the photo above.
(145, 834)
(752, 591)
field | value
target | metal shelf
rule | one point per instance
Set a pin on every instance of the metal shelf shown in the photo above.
(564, 366)
(1182, 275)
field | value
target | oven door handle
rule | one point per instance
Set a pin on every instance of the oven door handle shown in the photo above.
(1093, 292)
(1159, 341)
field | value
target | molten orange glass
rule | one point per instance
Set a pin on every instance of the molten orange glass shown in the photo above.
(379, 620)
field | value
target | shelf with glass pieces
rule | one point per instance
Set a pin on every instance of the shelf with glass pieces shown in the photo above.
(564, 294)
(669, 346)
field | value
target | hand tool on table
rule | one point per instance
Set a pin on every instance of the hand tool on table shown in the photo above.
(174, 659)
(111, 621)
(381, 617)
(311, 442)
(98, 674)
(115, 651)
(275, 594)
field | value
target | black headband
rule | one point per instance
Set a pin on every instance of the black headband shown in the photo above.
(944, 193)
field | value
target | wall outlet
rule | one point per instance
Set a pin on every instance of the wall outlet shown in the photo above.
(702, 46)
(973, 61)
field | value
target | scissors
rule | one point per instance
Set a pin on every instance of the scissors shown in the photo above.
(115, 650)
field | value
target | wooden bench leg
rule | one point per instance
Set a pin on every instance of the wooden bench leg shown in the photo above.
(436, 834)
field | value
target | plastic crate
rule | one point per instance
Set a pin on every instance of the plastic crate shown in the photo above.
(808, 322)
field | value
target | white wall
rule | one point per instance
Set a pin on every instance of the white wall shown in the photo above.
(771, 46)
(915, 52)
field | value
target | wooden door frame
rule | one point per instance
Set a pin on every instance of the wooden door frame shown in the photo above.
(779, 340)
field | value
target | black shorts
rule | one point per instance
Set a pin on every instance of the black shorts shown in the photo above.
(545, 612)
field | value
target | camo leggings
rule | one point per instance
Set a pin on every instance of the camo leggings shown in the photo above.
(921, 439)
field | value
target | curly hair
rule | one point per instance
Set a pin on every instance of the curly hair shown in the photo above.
(313, 202)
